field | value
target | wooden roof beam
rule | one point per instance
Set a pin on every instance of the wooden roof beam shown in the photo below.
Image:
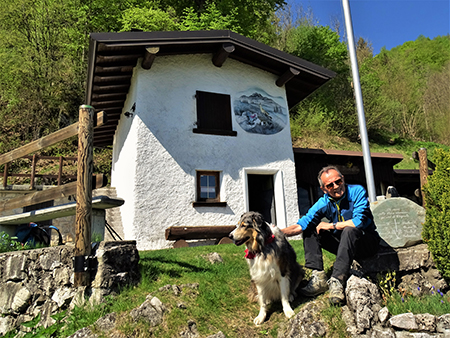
(222, 54)
(111, 88)
(149, 57)
(288, 75)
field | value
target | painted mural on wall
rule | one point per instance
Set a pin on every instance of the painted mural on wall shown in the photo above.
(260, 113)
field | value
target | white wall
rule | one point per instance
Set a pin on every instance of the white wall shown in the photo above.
(156, 154)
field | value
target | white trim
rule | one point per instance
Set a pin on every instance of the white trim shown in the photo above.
(278, 186)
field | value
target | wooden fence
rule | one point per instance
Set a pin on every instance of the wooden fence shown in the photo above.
(84, 128)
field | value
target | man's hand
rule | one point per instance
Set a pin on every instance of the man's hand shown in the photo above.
(324, 226)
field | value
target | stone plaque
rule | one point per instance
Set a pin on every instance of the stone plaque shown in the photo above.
(399, 221)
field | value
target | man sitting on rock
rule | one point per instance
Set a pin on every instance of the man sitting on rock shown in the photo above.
(349, 234)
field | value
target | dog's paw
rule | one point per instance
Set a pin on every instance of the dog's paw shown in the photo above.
(259, 320)
(289, 313)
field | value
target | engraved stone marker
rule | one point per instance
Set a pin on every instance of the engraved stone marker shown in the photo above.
(399, 221)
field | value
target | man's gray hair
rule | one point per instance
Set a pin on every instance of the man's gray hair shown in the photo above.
(325, 170)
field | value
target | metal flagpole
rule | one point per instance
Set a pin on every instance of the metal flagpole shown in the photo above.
(359, 104)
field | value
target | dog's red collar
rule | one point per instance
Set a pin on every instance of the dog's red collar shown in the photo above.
(252, 255)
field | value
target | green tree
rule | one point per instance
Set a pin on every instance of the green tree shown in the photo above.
(39, 84)
(404, 75)
(331, 108)
(436, 230)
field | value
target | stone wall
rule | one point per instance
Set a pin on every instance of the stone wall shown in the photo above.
(40, 281)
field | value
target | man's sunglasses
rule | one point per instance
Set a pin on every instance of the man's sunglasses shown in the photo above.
(338, 182)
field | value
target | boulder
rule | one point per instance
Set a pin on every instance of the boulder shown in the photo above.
(363, 299)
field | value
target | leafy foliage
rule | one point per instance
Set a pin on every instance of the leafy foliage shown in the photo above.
(8, 244)
(436, 230)
(411, 87)
(44, 44)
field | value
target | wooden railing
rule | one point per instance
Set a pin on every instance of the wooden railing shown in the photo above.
(84, 128)
(32, 176)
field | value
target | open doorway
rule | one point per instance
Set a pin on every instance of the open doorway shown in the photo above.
(261, 195)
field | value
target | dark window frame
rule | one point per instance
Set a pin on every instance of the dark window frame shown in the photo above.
(214, 114)
(208, 202)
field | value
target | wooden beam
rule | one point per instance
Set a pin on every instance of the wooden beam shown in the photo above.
(198, 232)
(112, 103)
(61, 191)
(100, 119)
(83, 212)
(111, 88)
(48, 140)
(109, 96)
(423, 170)
(288, 75)
(117, 79)
(130, 58)
(5, 175)
(222, 54)
(149, 57)
(115, 69)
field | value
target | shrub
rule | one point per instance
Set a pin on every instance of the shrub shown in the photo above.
(8, 243)
(436, 230)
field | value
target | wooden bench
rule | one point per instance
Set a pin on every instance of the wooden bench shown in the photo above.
(8, 224)
(180, 234)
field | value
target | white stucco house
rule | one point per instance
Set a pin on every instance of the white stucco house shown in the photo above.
(199, 125)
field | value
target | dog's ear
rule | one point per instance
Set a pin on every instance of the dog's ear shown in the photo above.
(257, 218)
(258, 241)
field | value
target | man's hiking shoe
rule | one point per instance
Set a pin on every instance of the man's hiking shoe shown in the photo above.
(316, 285)
(336, 296)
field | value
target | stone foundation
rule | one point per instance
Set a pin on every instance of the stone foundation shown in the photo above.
(40, 281)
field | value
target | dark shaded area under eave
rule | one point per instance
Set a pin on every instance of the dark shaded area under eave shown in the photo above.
(112, 57)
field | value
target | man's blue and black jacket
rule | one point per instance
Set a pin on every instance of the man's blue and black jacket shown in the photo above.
(353, 205)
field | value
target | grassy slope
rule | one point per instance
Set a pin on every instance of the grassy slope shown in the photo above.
(220, 304)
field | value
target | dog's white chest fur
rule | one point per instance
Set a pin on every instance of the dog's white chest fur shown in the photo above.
(265, 273)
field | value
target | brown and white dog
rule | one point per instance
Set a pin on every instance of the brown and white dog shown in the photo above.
(272, 262)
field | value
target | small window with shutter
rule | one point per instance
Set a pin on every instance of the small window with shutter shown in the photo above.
(214, 114)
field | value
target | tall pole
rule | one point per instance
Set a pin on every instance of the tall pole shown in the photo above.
(359, 104)
(83, 212)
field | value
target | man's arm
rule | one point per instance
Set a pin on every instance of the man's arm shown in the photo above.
(339, 225)
(292, 230)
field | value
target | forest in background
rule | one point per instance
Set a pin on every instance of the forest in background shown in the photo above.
(43, 58)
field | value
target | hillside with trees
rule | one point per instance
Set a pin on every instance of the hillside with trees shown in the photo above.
(44, 44)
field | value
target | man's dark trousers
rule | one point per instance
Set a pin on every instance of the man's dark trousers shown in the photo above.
(347, 244)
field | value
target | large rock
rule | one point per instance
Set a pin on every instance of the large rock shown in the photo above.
(416, 271)
(306, 323)
(15, 268)
(363, 299)
(152, 311)
(117, 264)
(404, 321)
(399, 221)
(14, 297)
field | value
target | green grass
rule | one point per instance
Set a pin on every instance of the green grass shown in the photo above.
(221, 301)
(435, 303)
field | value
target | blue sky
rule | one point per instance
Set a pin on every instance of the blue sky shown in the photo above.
(385, 23)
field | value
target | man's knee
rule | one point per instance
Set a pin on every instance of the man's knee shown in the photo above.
(351, 233)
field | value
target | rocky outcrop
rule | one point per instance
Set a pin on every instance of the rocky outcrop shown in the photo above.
(364, 317)
(40, 281)
(415, 270)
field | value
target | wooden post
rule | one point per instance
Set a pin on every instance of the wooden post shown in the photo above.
(423, 170)
(5, 175)
(60, 170)
(84, 195)
(33, 171)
